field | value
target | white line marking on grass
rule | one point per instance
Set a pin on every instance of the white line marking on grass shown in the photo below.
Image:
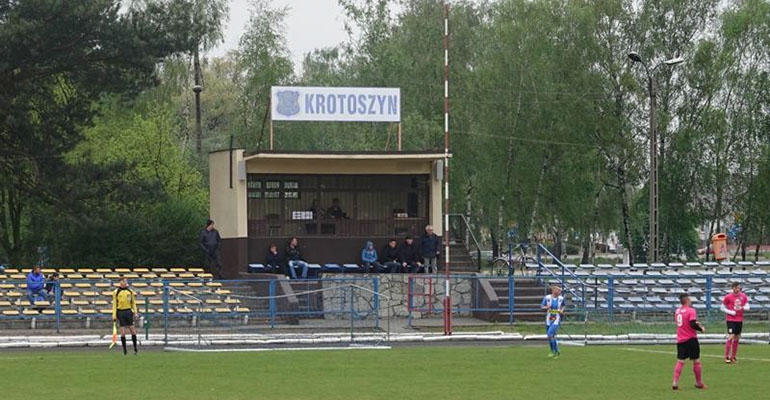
(50, 356)
(183, 350)
(673, 353)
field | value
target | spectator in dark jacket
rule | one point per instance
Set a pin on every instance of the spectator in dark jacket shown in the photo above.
(410, 256)
(273, 260)
(35, 285)
(50, 285)
(294, 258)
(209, 242)
(390, 257)
(430, 244)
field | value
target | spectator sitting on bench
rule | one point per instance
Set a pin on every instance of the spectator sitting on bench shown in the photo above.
(50, 285)
(35, 285)
(390, 257)
(369, 257)
(410, 256)
(273, 260)
(294, 259)
(335, 211)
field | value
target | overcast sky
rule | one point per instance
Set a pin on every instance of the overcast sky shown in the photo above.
(311, 24)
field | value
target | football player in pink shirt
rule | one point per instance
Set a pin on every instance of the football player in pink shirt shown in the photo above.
(687, 346)
(734, 305)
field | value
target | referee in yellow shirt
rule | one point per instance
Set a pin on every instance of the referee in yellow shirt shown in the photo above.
(124, 311)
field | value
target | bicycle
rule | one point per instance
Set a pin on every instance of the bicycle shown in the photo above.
(506, 264)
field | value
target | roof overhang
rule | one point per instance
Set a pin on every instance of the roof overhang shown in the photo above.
(391, 156)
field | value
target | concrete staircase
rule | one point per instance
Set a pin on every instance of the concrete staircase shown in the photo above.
(460, 259)
(494, 294)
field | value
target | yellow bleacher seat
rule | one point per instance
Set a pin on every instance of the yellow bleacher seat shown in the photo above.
(18, 276)
(213, 301)
(3, 277)
(131, 275)
(241, 309)
(65, 285)
(222, 310)
(214, 284)
(159, 270)
(123, 270)
(6, 286)
(205, 310)
(195, 284)
(139, 284)
(156, 284)
(148, 293)
(48, 271)
(184, 310)
(4, 303)
(149, 275)
(222, 292)
(177, 269)
(22, 286)
(94, 276)
(141, 270)
(13, 294)
(22, 303)
(49, 312)
(73, 276)
(167, 275)
(103, 270)
(185, 292)
(232, 301)
(66, 271)
(112, 276)
(79, 302)
(42, 303)
(205, 275)
(91, 294)
(186, 275)
(69, 312)
(101, 302)
(86, 270)
(192, 301)
(103, 285)
(140, 302)
(107, 293)
(176, 284)
(10, 313)
(30, 312)
(71, 293)
(175, 302)
(195, 270)
(156, 302)
(87, 311)
(105, 311)
(83, 285)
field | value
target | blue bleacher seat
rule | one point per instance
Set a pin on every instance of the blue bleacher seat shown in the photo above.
(254, 268)
(331, 268)
(351, 268)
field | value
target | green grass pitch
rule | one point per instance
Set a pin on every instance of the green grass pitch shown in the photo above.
(402, 373)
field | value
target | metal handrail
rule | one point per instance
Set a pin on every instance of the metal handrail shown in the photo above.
(472, 236)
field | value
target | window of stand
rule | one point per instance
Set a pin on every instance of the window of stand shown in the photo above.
(290, 204)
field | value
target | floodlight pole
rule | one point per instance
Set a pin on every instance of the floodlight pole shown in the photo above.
(447, 294)
(654, 244)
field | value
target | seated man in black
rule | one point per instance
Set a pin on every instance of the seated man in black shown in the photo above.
(390, 257)
(411, 259)
(335, 211)
(273, 260)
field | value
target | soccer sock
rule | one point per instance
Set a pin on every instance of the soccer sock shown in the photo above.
(550, 344)
(728, 347)
(555, 346)
(123, 341)
(696, 368)
(133, 339)
(678, 371)
(735, 347)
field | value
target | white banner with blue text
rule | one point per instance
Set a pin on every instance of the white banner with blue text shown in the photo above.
(294, 103)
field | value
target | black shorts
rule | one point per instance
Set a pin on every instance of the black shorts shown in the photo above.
(734, 327)
(125, 317)
(689, 349)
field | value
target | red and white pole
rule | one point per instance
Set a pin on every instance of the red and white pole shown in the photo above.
(447, 294)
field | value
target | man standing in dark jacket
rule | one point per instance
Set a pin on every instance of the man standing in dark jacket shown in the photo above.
(209, 243)
(430, 244)
(410, 256)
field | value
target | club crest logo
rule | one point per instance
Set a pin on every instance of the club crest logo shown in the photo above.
(288, 102)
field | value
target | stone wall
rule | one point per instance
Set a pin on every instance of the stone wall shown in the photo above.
(394, 295)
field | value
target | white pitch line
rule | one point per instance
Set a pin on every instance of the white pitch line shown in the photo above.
(269, 349)
(672, 353)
